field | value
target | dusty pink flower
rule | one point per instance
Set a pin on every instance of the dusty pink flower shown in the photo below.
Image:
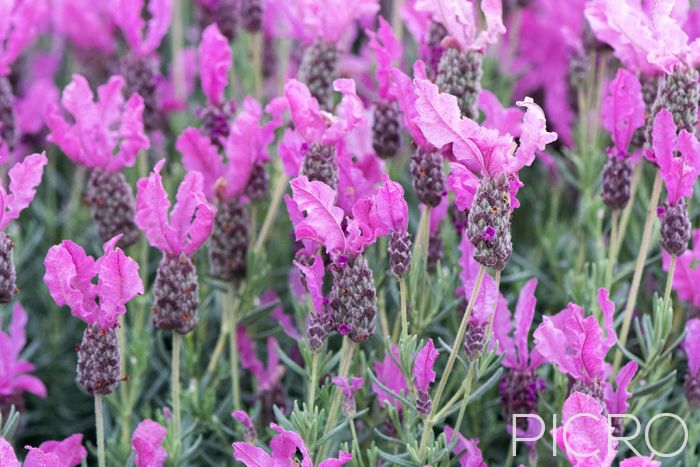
(678, 173)
(640, 461)
(423, 366)
(247, 144)
(86, 24)
(67, 453)
(616, 399)
(191, 219)
(687, 274)
(313, 276)
(575, 343)
(358, 176)
(147, 444)
(622, 111)
(266, 375)
(388, 53)
(328, 21)
(463, 184)
(488, 299)
(506, 120)
(143, 39)
(467, 449)
(587, 439)
(390, 375)
(24, 176)
(8, 458)
(407, 97)
(285, 321)
(14, 372)
(691, 346)
(390, 206)
(107, 133)
(22, 22)
(215, 60)
(284, 447)
(69, 277)
(349, 386)
(459, 19)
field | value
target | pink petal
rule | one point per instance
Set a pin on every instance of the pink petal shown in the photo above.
(147, 443)
(423, 366)
(24, 21)
(534, 136)
(251, 456)
(467, 449)
(622, 110)
(24, 176)
(152, 213)
(616, 401)
(343, 458)
(314, 282)
(192, 216)
(463, 184)
(640, 461)
(285, 445)
(524, 313)
(215, 60)
(349, 112)
(391, 206)
(390, 375)
(305, 111)
(691, 345)
(201, 155)
(7, 454)
(506, 121)
(70, 451)
(291, 151)
(388, 51)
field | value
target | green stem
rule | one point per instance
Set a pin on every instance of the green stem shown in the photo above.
(347, 352)
(357, 455)
(176, 41)
(428, 423)
(465, 399)
(100, 430)
(311, 401)
(175, 388)
(612, 257)
(233, 351)
(639, 268)
(669, 280)
(627, 212)
(257, 44)
(277, 193)
(404, 308)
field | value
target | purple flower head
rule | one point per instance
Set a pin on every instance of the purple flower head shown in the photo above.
(283, 447)
(390, 375)
(459, 19)
(622, 111)
(588, 440)
(86, 24)
(488, 234)
(467, 449)
(14, 377)
(678, 173)
(317, 126)
(69, 278)
(106, 134)
(687, 274)
(388, 51)
(24, 176)
(423, 367)
(483, 151)
(190, 222)
(67, 453)
(147, 443)
(575, 344)
(343, 329)
(691, 346)
(328, 21)
(246, 145)
(215, 60)
(22, 22)
(143, 39)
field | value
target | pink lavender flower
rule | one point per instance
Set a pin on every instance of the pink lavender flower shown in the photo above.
(318, 321)
(349, 386)
(7, 454)
(388, 53)
(424, 376)
(143, 39)
(587, 440)
(467, 449)
(67, 453)
(622, 111)
(284, 447)
(459, 19)
(105, 134)
(249, 433)
(147, 444)
(69, 277)
(15, 377)
(25, 177)
(390, 375)
(640, 461)
(691, 346)
(87, 25)
(22, 23)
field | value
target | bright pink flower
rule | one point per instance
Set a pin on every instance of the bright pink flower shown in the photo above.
(390, 205)
(107, 134)
(691, 346)
(678, 173)
(285, 321)
(464, 184)
(390, 375)
(147, 443)
(24, 176)
(349, 385)
(670, 48)
(86, 24)
(329, 21)
(67, 453)
(8, 458)
(317, 126)
(191, 219)
(488, 300)
(622, 110)
(640, 461)
(389, 52)
(313, 276)
(168, 100)
(506, 120)
(14, 372)
(247, 143)
(687, 274)
(575, 343)
(516, 349)
(292, 150)
(69, 278)
(407, 98)
(215, 59)
(423, 366)
(467, 449)
(127, 14)
(358, 177)
(242, 418)
(616, 399)
(284, 447)
(483, 151)
(586, 440)
(459, 18)
(267, 376)
(21, 23)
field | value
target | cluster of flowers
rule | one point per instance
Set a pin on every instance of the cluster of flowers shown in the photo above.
(341, 119)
